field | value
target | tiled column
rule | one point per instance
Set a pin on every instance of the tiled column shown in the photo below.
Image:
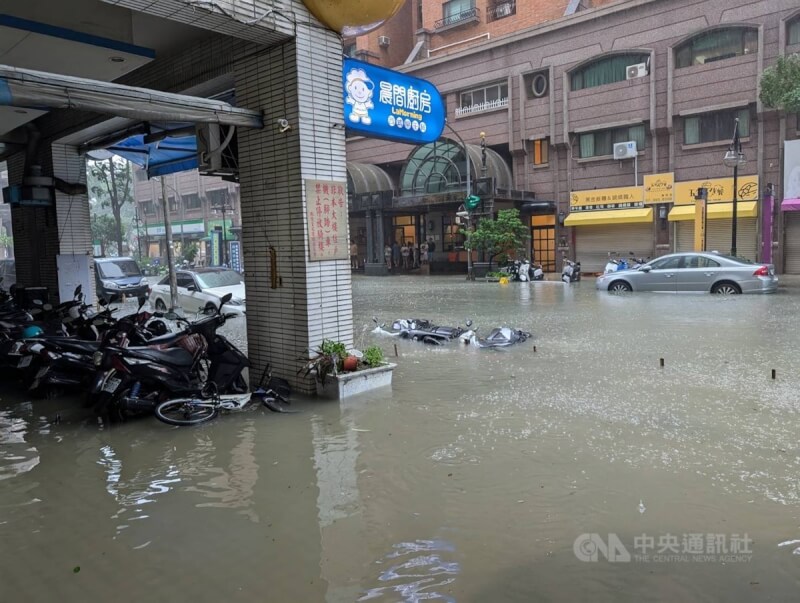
(301, 302)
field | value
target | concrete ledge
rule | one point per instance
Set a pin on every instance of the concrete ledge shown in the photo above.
(345, 385)
(376, 270)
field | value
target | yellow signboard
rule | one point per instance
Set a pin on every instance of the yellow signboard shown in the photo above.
(658, 188)
(720, 190)
(607, 198)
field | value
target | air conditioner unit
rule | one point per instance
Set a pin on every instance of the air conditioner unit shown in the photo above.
(634, 71)
(502, 10)
(383, 41)
(625, 150)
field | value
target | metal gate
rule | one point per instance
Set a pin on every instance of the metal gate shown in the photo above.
(593, 243)
(718, 236)
(791, 242)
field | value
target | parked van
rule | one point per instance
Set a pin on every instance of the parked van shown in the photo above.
(115, 277)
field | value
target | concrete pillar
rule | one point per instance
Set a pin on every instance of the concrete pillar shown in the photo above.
(370, 256)
(292, 302)
(42, 233)
(378, 266)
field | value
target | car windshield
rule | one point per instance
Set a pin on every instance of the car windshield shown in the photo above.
(736, 259)
(118, 269)
(223, 278)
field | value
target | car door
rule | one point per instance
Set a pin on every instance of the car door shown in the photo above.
(186, 298)
(698, 274)
(662, 275)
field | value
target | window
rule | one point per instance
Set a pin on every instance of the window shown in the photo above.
(184, 280)
(419, 14)
(793, 33)
(699, 261)
(601, 142)
(456, 7)
(537, 84)
(668, 263)
(498, 9)
(541, 151)
(141, 175)
(173, 205)
(717, 45)
(350, 50)
(191, 201)
(148, 208)
(713, 127)
(452, 239)
(217, 198)
(606, 70)
(483, 99)
(219, 278)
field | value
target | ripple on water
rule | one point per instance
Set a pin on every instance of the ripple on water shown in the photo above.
(417, 572)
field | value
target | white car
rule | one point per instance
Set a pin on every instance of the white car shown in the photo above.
(200, 291)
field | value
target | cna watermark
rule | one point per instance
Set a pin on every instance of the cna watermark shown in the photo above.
(665, 548)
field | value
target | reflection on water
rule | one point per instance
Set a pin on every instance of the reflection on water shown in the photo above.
(417, 572)
(468, 480)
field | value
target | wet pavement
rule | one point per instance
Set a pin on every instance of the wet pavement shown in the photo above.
(479, 476)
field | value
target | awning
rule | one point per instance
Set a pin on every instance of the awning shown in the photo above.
(716, 211)
(613, 216)
(167, 156)
(790, 205)
(367, 178)
(40, 90)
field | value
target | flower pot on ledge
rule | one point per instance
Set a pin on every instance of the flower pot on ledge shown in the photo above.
(345, 385)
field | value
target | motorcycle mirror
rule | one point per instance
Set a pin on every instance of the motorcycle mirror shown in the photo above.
(142, 301)
(77, 291)
(102, 301)
(375, 319)
(225, 299)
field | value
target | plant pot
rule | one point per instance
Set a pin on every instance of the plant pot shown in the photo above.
(350, 363)
(344, 385)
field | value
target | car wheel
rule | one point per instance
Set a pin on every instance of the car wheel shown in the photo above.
(726, 289)
(620, 287)
(160, 306)
(210, 309)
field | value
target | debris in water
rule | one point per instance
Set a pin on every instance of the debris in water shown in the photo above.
(361, 430)
(76, 569)
(642, 508)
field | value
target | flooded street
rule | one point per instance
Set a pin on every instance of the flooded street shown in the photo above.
(480, 475)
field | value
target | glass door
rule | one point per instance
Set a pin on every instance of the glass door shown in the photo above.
(543, 241)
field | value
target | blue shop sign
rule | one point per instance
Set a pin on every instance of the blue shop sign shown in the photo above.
(381, 103)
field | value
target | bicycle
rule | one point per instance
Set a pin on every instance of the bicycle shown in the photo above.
(194, 411)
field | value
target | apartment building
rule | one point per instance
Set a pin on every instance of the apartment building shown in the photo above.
(540, 97)
(198, 206)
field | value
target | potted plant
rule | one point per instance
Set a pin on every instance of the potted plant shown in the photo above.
(336, 380)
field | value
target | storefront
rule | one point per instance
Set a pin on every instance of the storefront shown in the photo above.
(610, 221)
(719, 215)
(790, 207)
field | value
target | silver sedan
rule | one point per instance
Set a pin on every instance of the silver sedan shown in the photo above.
(694, 272)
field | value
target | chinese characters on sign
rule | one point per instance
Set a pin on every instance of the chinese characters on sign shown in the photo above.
(607, 198)
(720, 190)
(658, 188)
(326, 206)
(382, 103)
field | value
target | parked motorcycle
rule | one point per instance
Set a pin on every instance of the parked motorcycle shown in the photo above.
(571, 272)
(134, 380)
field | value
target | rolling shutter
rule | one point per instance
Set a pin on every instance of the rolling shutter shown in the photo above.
(791, 245)
(718, 236)
(593, 243)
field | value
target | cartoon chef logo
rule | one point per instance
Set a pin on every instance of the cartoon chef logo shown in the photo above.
(359, 94)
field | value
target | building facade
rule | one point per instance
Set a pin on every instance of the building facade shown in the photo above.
(200, 206)
(552, 100)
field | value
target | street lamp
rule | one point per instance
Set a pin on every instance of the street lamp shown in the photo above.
(222, 207)
(734, 158)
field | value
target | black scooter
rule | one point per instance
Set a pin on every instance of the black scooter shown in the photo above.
(419, 329)
(194, 361)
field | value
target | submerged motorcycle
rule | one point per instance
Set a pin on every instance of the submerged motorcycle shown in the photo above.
(571, 272)
(500, 337)
(419, 329)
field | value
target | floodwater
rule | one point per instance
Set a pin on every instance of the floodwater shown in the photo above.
(479, 476)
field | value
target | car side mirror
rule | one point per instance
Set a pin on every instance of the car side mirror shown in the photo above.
(191, 287)
(645, 268)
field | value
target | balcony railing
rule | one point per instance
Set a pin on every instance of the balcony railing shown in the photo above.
(480, 107)
(465, 16)
(502, 8)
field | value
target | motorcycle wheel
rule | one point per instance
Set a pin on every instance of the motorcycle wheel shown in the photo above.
(186, 411)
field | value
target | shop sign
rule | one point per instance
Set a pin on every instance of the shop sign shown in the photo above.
(720, 190)
(382, 103)
(178, 228)
(326, 206)
(624, 197)
(659, 188)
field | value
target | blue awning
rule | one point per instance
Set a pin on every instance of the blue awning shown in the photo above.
(167, 156)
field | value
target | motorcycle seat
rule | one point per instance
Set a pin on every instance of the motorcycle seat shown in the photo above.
(172, 356)
(69, 344)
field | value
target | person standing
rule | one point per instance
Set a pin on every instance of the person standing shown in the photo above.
(387, 255)
(414, 254)
(423, 252)
(396, 254)
(431, 249)
(404, 251)
(353, 255)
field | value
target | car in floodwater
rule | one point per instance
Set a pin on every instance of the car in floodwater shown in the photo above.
(201, 290)
(699, 272)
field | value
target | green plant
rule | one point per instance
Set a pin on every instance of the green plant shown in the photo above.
(780, 84)
(373, 356)
(325, 360)
(496, 237)
(496, 274)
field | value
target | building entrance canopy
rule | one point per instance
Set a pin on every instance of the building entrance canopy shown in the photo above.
(167, 156)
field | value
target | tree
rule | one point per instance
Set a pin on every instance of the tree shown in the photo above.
(111, 182)
(494, 237)
(780, 84)
(104, 229)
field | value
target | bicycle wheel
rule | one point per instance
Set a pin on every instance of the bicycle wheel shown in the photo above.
(186, 411)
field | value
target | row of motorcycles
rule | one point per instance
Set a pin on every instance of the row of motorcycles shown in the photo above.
(126, 366)
(418, 329)
(524, 271)
(616, 264)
